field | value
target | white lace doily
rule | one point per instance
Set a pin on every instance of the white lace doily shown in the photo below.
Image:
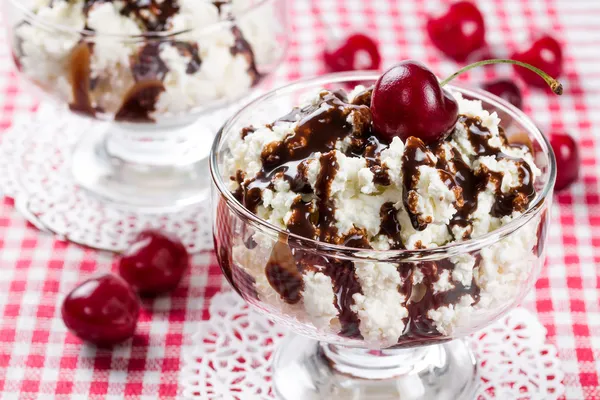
(231, 357)
(34, 170)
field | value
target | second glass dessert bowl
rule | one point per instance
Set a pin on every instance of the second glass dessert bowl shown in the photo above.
(159, 71)
(383, 324)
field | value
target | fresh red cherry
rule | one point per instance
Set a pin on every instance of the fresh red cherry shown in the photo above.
(154, 263)
(355, 52)
(408, 101)
(505, 89)
(102, 310)
(545, 54)
(458, 32)
(567, 159)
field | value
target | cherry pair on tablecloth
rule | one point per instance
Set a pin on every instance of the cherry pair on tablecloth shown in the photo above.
(105, 309)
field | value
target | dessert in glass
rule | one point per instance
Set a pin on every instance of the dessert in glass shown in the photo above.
(381, 252)
(157, 70)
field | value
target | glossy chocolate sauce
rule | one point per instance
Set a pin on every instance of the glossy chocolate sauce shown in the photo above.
(140, 102)
(479, 136)
(79, 76)
(319, 128)
(421, 298)
(415, 156)
(282, 273)
(242, 47)
(148, 65)
(363, 98)
(371, 153)
(154, 15)
(345, 286)
(390, 225)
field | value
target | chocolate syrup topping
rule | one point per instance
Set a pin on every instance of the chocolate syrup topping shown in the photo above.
(356, 239)
(363, 98)
(241, 46)
(390, 225)
(371, 153)
(153, 14)
(415, 156)
(149, 65)
(79, 75)
(518, 198)
(471, 185)
(345, 286)
(140, 102)
(421, 298)
(479, 136)
(319, 128)
(282, 273)
(326, 206)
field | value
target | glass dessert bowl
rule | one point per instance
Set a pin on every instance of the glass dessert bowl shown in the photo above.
(382, 255)
(158, 71)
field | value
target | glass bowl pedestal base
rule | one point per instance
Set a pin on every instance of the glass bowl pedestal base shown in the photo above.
(305, 369)
(144, 168)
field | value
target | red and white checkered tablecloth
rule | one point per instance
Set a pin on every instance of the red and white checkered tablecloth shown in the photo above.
(40, 360)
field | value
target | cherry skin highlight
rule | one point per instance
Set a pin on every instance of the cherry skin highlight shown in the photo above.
(154, 263)
(568, 160)
(505, 89)
(355, 52)
(459, 32)
(408, 101)
(545, 54)
(103, 310)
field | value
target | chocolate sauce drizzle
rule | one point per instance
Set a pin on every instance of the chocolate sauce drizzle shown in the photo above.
(390, 225)
(421, 298)
(345, 286)
(319, 128)
(415, 156)
(363, 98)
(79, 75)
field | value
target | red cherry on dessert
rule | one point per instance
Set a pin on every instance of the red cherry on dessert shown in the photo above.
(102, 310)
(355, 52)
(507, 90)
(545, 54)
(567, 159)
(408, 101)
(458, 32)
(154, 263)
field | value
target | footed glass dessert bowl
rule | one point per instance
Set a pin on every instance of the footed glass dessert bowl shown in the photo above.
(159, 72)
(381, 251)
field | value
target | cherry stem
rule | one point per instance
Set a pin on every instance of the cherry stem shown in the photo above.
(555, 85)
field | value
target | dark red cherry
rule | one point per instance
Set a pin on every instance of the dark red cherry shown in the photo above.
(505, 89)
(408, 101)
(568, 162)
(154, 263)
(545, 54)
(355, 52)
(459, 31)
(102, 310)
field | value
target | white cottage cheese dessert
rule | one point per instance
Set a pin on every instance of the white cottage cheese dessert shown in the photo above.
(84, 51)
(321, 172)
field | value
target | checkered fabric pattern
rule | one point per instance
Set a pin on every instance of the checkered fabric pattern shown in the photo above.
(40, 360)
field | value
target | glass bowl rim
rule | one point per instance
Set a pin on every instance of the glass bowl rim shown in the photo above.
(448, 250)
(33, 18)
